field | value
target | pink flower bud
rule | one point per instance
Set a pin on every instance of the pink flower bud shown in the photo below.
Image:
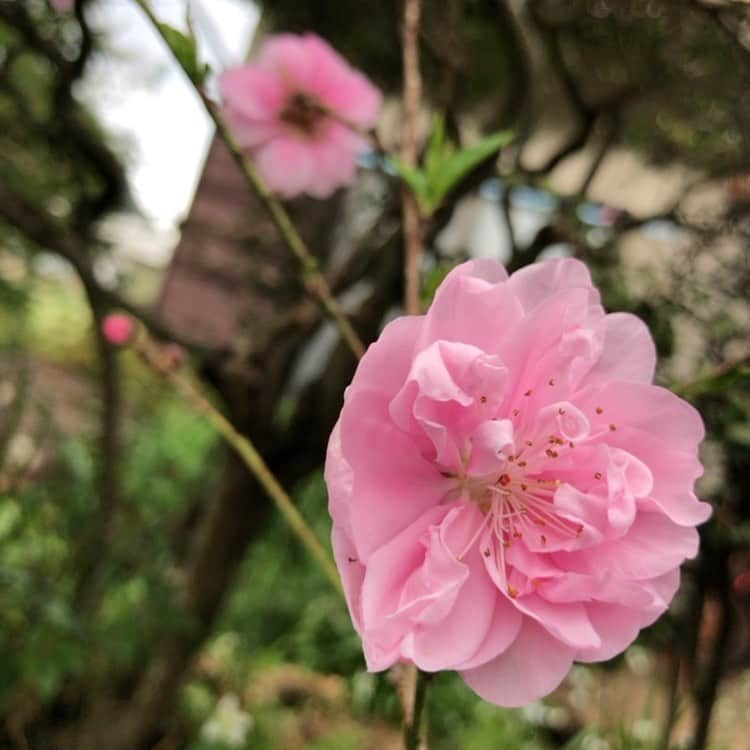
(118, 329)
(63, 6)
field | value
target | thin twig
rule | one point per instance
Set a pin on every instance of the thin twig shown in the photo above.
(313, 279)
(152, 355)
(673, 694)
(587, 113)
(412, 96)
(707, 685)
(412, 229)
(699, 385)
(612, 127)
(413, 728)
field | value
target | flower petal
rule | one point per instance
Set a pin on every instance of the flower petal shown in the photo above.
(255, 94)
(503, 630)
(286, 164)
(393, 484)
(617, 627)
(341, 88)
(471, 295)
(629, 352)
(535, 283)
(387, 362)
(533, 666)
(458, 636)
(385, 619)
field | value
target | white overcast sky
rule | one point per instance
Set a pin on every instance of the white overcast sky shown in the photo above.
(142, 98)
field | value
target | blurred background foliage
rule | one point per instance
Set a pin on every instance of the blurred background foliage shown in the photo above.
(147, 597)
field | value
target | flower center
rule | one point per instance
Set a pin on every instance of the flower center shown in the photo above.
(518, 507)
(303, 113)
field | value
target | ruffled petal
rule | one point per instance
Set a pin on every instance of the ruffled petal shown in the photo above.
(535, 283)
(387, 572)
(393, 484)
(470, 298)
(503, 630)
(387, 362)
(459, 635)
(533, 666)
(653, 546)
(629, 352)
(568, 623)
(617, 627)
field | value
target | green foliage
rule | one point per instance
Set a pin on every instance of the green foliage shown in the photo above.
(185, 49)
(342, 739)
(59, 326)
(44, 640)
(166, 455)
(460, 719)
(304, 620)
(41, 640)
(445, 166)
(736, 378)
(619, 738)
(51, 151)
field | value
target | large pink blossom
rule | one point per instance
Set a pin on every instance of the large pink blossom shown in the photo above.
(297, 109)
(509, 491)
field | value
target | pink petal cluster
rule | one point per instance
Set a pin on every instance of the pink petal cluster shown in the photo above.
(297, 109)
(509, 491)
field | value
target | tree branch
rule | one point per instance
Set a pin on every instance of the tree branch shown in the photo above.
(588, 114)
(411, 98)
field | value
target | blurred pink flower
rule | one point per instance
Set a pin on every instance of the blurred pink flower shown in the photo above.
(63, 6)
(509, 491)
(118, 329)
(291, 109)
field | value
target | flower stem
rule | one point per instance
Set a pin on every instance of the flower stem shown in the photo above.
(412, 228)
(412, 96)
(184, 385)
(413, 725)
(312, 278)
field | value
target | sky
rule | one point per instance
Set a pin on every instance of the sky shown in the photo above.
(144, 101)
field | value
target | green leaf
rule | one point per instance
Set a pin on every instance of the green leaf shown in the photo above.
(444, 167)
(413, 177)
(454, 166)
(185, 49)
(438, 148)
(10, 514)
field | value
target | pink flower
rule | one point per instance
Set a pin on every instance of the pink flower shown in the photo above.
(63, 6)
(118, 329)
(509, 491)
(292, 109)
